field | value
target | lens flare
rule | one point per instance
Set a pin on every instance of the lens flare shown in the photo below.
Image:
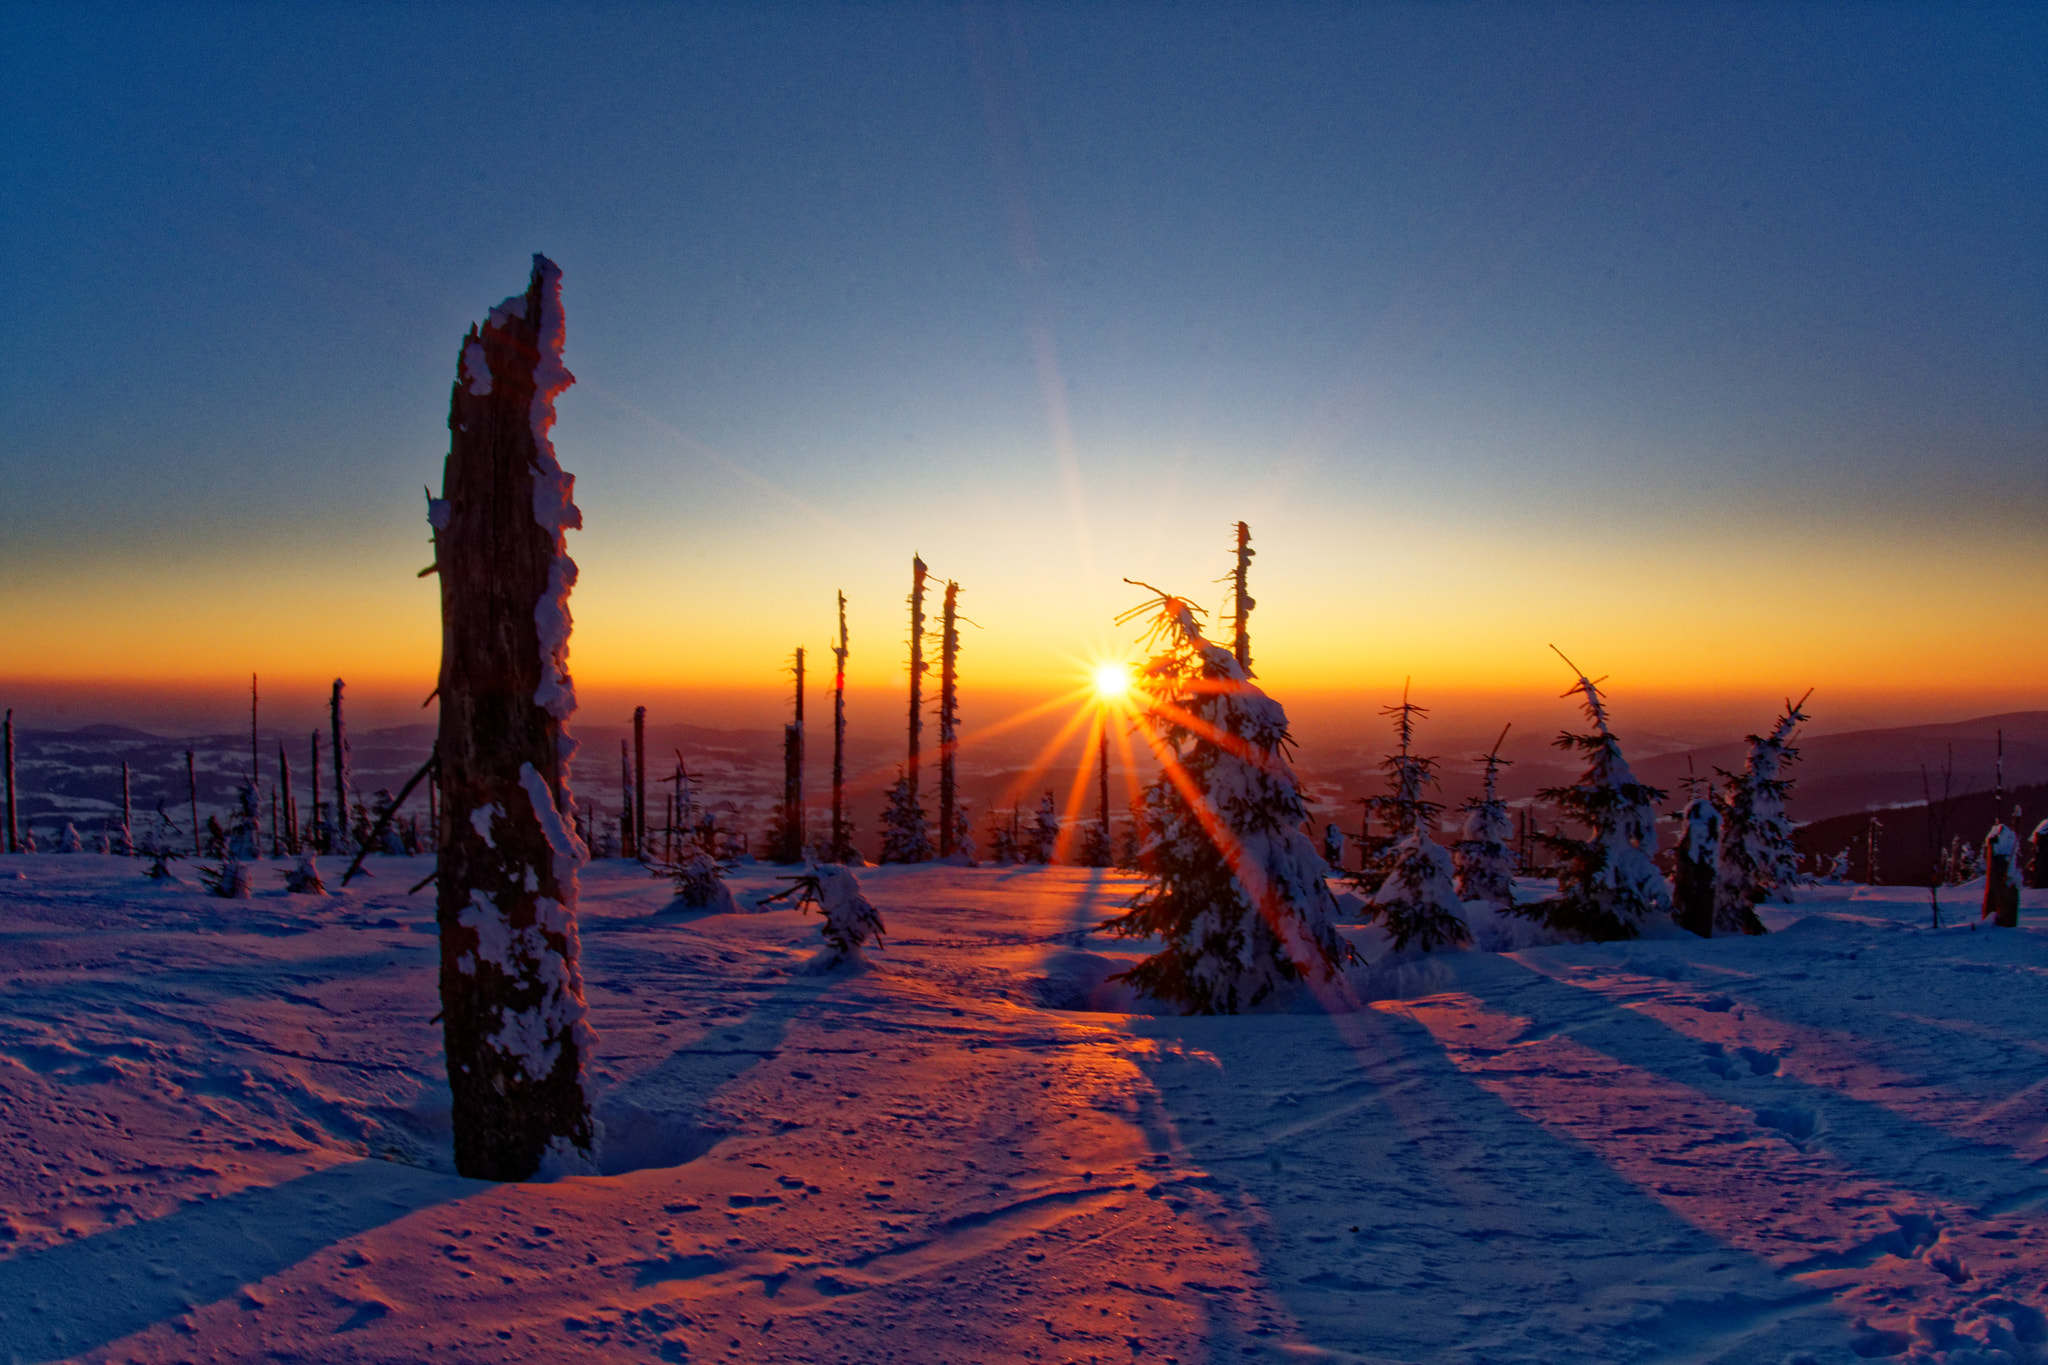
(1112, 681)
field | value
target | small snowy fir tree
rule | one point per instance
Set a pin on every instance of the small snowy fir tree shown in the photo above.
(229, 879)
(1699, 866)
(1045, 830)
(1130, 849)
(1417, 900)
(1002, 841)
(1606, 881)
(1333, 846)
(156, 846)
(850, 918)
(303, 878)
(1238, 891)
(1095, 845)
(963, 833)
(241, 832)
(1758, 858)
(699, 879)
(1485, 857)
(906, 834)
(68, 841)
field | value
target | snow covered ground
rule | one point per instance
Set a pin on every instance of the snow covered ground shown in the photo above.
(226, 1134)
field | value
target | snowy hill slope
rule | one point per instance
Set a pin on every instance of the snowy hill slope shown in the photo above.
(228, 1141)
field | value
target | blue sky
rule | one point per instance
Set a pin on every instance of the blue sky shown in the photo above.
(1500, 323)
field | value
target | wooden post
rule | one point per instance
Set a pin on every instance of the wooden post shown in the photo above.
(13, 824)
(341, 837)
(511, 990)
(839, 653)
(1242, 603)
(949, 711)
(917, 668)
(640, 781)
(192, 787)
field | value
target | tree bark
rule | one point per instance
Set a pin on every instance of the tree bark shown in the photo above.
(338, 842)
(1240, 625)
(917, 667)
(949, 711)
(640, 781)
(511, 991)
(839, 653)
(13, 825)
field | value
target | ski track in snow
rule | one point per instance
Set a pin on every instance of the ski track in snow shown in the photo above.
(227, 1129)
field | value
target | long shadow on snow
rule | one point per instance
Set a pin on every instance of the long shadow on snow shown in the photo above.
(1873, 1139)
(73, 1298)
(1403, 1212)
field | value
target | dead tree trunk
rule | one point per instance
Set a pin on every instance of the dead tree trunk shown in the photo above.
(2002, 877)
(13, 825)
(628, 848)
(256, 775)
(949, 711)
(127, 815)
(291, 801)
(640, 782)
(788, 846)
(1242, 603)
(511, 990)
(1103, 777)
(917, 668)
(192, 790)
(339, 841)
(839, 653)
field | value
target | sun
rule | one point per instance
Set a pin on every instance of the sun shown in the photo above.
(1112, 681)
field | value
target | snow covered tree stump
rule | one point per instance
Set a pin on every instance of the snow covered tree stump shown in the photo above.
(1699, 867)
(2038, 877)
(511, 991)
(2002, 877)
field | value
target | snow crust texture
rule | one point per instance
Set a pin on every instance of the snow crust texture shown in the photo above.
(228, 1138)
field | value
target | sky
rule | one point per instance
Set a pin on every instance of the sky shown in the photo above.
(1708, 343)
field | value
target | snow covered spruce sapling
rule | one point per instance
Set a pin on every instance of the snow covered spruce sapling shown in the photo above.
(1238, 891)
(1758, 857)
(699, 878)
(906, 833)
(1699, 865)
(1485, 857)
(511, 989)
(850, 918)
(1045, 831)
(1607, 882)
(303, 878)
(1417, 900)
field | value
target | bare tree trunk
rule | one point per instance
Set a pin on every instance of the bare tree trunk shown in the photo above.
(2002, 886)
(340, 839)
(319, 830)
(1103, 754)
(628, 846)
(640, 781)
(192, 789)
(291, 801)
(1242, 603)
(511, 990)
(13, 824)
(917, 667)
(949, 711)
(127, 815)
(256, 776)
(839, 653)
(793, 771)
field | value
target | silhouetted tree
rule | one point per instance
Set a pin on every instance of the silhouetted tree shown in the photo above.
(1238, 892)
(1485, 857)
(1417, 900)
(1606, 881)
(1758, 858)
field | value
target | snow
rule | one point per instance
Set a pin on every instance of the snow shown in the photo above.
(228, 1139)
(554, 499)
(476, 368)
